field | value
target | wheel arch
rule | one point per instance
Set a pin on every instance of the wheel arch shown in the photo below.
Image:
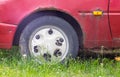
(57, 13)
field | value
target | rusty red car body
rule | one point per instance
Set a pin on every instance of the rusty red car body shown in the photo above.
(102, 30)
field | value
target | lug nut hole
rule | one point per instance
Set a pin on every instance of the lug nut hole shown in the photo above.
(35, 49)
(57, 53)
(50, 32)
(61, 40)
(37, 36)
(47, 56)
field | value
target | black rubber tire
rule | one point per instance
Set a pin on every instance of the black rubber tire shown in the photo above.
(49, 20)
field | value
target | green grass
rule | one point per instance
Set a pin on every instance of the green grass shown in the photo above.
(12, 65)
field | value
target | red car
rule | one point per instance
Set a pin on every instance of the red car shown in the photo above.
(55, 29)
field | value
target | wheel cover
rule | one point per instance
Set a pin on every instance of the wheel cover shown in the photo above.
(48, 44)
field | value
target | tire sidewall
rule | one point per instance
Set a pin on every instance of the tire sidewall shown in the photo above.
(49, 20)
